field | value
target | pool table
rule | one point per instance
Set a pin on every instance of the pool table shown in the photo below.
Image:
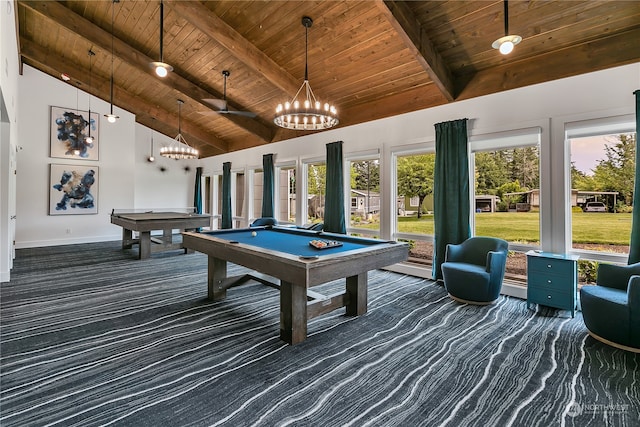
(145, 222)
(284, 258)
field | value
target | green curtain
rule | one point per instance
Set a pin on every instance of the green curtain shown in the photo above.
(334, 203)
(197, 192)
(267, 186)
(227, 215)
(451, 189)
(634, 247)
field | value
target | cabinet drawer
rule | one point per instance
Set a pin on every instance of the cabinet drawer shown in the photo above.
(552, 298)
(549, 281)
(546, 265)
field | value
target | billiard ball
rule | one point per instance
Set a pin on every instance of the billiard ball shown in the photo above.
(254, 234)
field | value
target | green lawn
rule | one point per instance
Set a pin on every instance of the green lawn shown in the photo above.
(598, 228)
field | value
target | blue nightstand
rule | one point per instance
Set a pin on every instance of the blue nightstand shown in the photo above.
(552, 280)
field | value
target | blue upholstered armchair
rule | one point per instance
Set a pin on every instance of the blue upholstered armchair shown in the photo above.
(611, 309)
(267, 220)
(473, 270)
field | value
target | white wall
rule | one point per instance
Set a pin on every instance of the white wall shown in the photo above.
(125, 179)
(605, 92)
(8, 135)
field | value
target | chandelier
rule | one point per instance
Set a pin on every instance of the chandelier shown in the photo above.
(179, 149)
(309, 113)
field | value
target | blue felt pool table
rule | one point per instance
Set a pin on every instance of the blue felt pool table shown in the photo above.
(283, 257)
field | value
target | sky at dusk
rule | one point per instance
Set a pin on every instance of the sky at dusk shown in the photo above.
(585, 152)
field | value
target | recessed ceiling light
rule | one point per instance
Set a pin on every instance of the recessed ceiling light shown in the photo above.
(65, 77)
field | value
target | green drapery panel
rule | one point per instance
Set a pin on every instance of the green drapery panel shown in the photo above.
(334, 205)
(451, 189)
(634, 247)
(267, 186)
(197, 192)
(227, 215)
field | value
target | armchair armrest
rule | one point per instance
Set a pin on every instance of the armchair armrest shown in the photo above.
(453, 253)
(616, 276)
(496, 262)
(633, 294)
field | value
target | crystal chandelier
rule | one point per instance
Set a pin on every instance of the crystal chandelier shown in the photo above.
(309, 113)
(179, 149)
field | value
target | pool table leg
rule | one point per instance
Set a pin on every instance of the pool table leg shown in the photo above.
(293, 313)
(216, 278)
(357, 291)
(145, 245)
(127, 238)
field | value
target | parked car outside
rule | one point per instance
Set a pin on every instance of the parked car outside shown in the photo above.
(595, 207)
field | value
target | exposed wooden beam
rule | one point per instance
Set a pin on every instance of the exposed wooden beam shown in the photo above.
(48, 60)
(101, 38)
(616, 50)
(415, 38)
(214, 27)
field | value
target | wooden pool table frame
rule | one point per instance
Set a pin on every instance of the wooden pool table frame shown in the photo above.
(145, 222)
(294, 275)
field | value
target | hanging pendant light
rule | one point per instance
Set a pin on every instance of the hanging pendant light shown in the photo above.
(89, 139)
(161, 68)
(506, 44)
(309, 113)
(179, 149)
(111, 118)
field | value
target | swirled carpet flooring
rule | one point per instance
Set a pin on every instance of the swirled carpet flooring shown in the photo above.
(93, 337)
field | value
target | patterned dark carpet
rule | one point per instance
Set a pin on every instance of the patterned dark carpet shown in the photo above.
(92, 336)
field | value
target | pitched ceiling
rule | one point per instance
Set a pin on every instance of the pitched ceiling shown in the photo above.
(372, 59)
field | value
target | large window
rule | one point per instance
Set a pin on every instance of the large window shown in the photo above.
(258, 184)
(285, 192)
(364, 196)
(602, 178)
(238, 199)
(414, 175)
(507, 192)
(316, 197)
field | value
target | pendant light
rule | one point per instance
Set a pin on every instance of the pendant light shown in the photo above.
(309, 114)
(506, 44)
(161, 67)
(89, 139)
(111, 118)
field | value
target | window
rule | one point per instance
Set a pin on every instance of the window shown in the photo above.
(285, 192)
(364, 192)
(316, 178)
(414, 178)
(506, 200)
(602, 178)
(258, 183)
(238, 199)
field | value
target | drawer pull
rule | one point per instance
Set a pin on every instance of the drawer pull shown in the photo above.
(549, 265)
(548, 296)
(549, 281)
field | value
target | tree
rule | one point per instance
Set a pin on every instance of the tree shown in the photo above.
(415, 176)
(617, 171)
(525, 166)
(365, 175)
(491, 171)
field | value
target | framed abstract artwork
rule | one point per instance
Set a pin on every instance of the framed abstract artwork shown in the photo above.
(73, 190)
(74, 134)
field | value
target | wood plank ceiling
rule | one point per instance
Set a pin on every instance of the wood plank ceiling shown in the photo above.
(371, 59)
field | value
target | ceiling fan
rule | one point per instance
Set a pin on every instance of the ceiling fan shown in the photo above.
(221, 106)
